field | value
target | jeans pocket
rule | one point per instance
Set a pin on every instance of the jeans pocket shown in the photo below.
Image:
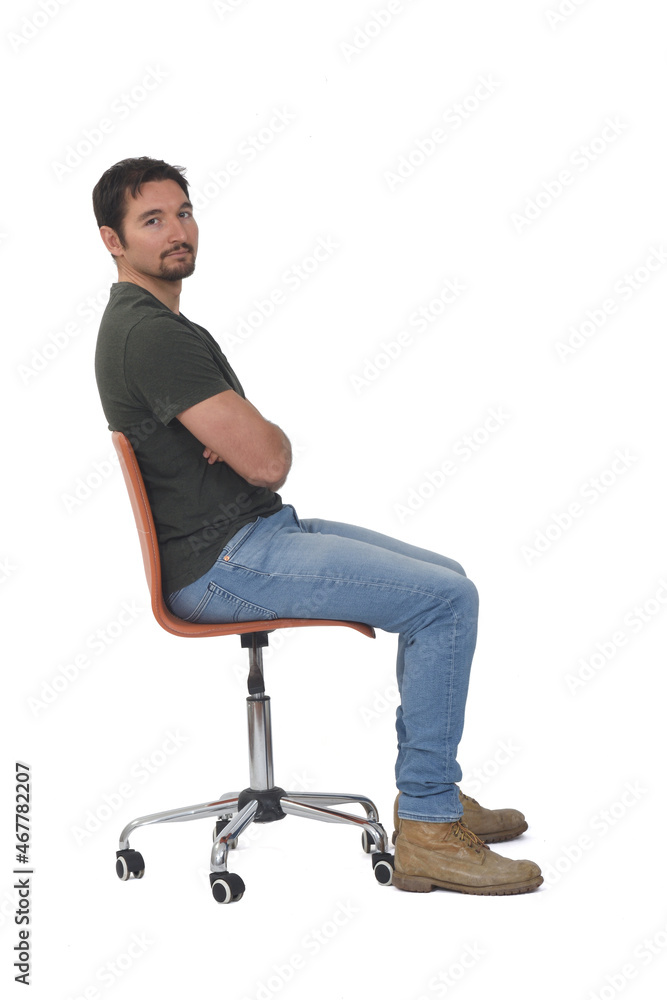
(236, 543)
(219, 606)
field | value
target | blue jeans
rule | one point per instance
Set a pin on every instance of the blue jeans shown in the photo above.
(281, 567)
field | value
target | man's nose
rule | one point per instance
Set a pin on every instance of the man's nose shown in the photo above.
(177, 232)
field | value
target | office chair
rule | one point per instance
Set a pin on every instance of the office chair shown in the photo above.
(262, 801)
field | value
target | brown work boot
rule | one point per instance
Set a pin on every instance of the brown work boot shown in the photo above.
(450, 856)
(490, 825)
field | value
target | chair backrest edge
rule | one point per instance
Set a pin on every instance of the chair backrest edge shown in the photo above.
(143, 516)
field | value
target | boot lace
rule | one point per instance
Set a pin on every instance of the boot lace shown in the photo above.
(470, 839)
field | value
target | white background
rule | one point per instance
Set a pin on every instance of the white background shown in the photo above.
(484, 209)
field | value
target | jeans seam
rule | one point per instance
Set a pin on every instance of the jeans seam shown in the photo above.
(201, 606)
(450, 673)
(221, 592)
(356, 583)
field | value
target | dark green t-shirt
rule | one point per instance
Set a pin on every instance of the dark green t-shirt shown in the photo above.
(151, 364)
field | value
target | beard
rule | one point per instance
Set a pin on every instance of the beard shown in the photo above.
(176, 269)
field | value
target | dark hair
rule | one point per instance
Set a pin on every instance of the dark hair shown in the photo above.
(109, 192)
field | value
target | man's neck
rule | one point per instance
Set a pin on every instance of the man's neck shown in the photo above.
(168, 292)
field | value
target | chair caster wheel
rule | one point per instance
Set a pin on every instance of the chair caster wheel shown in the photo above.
(219, 827)
(226, 887)
(383, 867)
(129, 864)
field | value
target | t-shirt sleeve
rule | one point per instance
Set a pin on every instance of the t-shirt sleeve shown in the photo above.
(169, 368)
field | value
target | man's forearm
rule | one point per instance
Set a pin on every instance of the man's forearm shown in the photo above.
(232, 430)
(278, 470)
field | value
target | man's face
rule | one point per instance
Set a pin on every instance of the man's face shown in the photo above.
(159, 232)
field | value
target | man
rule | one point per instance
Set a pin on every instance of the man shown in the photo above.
(231, 550)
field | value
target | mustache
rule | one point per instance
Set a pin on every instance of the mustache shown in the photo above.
(185, 246)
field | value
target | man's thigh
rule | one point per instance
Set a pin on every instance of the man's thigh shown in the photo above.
(343, 530)
(339, 571)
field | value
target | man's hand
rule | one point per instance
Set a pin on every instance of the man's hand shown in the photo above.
(232, 430)
(212, 457)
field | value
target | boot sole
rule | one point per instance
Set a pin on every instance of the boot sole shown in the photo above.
(501, 835)
(416, 883)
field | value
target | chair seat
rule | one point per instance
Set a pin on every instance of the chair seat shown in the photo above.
(190, 629)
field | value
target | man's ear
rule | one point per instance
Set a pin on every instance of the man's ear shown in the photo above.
(111, 241)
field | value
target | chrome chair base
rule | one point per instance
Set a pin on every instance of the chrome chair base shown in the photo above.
(261, 802)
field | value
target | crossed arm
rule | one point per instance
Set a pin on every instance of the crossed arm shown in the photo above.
(232, 430)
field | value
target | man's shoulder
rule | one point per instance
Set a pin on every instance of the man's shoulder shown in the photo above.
(130, 304)
(133, 313)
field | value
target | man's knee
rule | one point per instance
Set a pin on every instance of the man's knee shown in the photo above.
(467, 597)
(457, 567)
